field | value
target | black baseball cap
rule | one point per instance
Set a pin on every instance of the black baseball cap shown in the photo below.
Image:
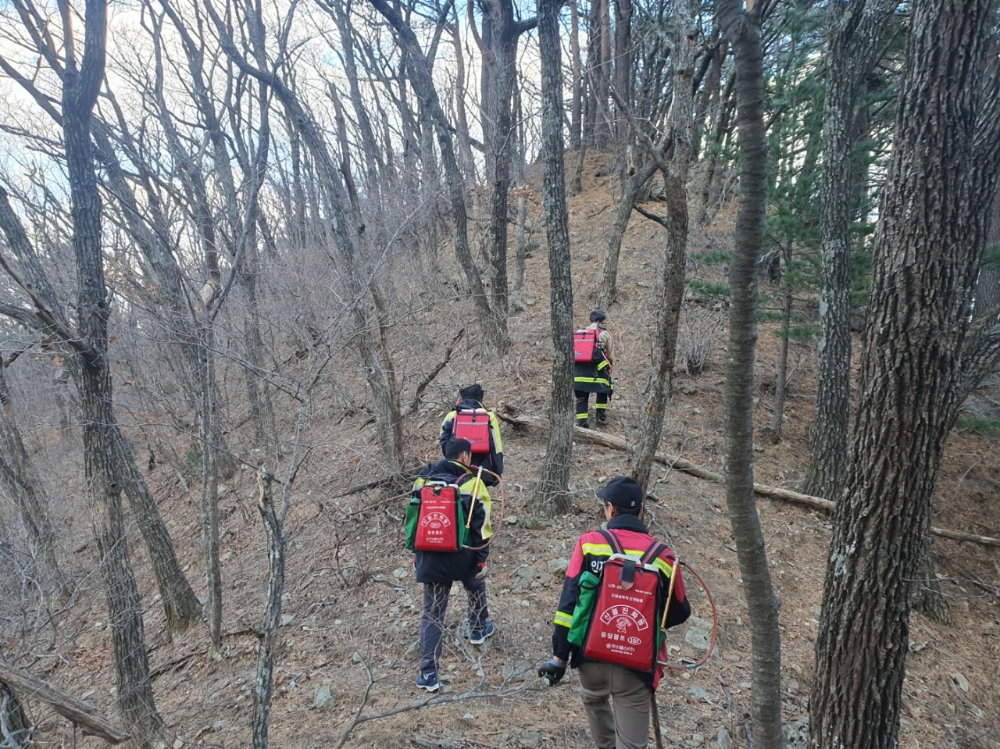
(622, 492)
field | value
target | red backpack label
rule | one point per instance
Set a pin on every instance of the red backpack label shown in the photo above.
(586, 345)
(438, 519)
(474, 425)
(623, 626)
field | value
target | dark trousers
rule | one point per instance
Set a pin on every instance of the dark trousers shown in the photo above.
(582, 403)
(432, 623)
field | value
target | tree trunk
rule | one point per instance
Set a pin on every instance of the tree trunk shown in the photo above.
(468, 164)
(608, 289)
(856, 35)
(623, 68)
(743, 30)
(20, 484)
(80, 89)
(272, 613)
(552, 492)
(15, 728)
(180, 604)
(922, 284)
(522, 247)
(577, 85)
(686, 36)
(210, 486)
(781, 381)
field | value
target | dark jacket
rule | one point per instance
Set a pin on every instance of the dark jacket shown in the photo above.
(438, 567)
(591, 551)
(493, 462)
(595, 377)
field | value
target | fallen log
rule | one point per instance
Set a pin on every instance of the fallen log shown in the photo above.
(511, 416)
(78, 712)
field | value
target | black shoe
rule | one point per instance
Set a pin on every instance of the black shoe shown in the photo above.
(602, 417)
(583, 425)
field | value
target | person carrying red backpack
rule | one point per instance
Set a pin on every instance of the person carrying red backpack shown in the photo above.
(471, 420)
(437, 570)
(592, 369)
(581, 617)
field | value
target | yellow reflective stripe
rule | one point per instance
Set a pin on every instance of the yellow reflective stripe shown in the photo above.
(581, 417)
(601, 406)
(602, 365)
(592, 380)
(563, 620)
(599, 550)
(495, 428)
(663, 567)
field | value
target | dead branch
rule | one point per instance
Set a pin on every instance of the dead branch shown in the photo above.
(511, 416)
(415, 403)
(78, 712)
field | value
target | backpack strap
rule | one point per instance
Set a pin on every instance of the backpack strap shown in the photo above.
(653, 552)
(627, 577)
(616, 547)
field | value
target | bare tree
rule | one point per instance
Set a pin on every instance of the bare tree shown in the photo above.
(81, 83)
(552, 490)
(671, 291)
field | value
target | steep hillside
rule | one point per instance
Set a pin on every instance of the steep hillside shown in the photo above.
(352, 607)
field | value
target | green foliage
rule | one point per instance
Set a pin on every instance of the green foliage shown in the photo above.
(192, 461)
(169, 388)
(991, 256)
(979, 425)
(705, 288)
(715, 257)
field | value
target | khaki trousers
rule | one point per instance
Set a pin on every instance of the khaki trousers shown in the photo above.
(624, 724)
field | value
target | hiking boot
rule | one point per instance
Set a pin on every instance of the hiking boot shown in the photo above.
(602, 418)
(478, 636)
(428, 680)
(583, 425)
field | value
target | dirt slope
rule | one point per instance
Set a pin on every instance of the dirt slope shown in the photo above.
(352, 605)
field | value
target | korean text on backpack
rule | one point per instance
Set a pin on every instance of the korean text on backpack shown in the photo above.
(623, 604)
(473, 424)
(587, 345)
(435, 518)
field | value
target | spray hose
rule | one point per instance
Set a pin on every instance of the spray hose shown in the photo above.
(715, 620)
(475, 495)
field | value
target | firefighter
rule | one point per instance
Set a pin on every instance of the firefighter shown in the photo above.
(438, 570)
(624, 724)
(470, 398)
(594, 377)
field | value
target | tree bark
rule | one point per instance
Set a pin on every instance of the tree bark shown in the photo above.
(552, 492)
(857, 33)
(577, 85)
(781, 380)
(743, 30)
(671, 291)
(272, 613)
(944, 168)
(81, 86)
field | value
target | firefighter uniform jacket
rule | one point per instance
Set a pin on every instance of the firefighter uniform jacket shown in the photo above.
(449, 567)
(495, 460)
(595, 377)
(591, 551)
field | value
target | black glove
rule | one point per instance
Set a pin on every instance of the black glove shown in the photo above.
(552, 671)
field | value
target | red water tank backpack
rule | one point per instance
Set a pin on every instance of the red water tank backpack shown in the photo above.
(435, 522)
(587, 346)
(473, 424)
(623, 626)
